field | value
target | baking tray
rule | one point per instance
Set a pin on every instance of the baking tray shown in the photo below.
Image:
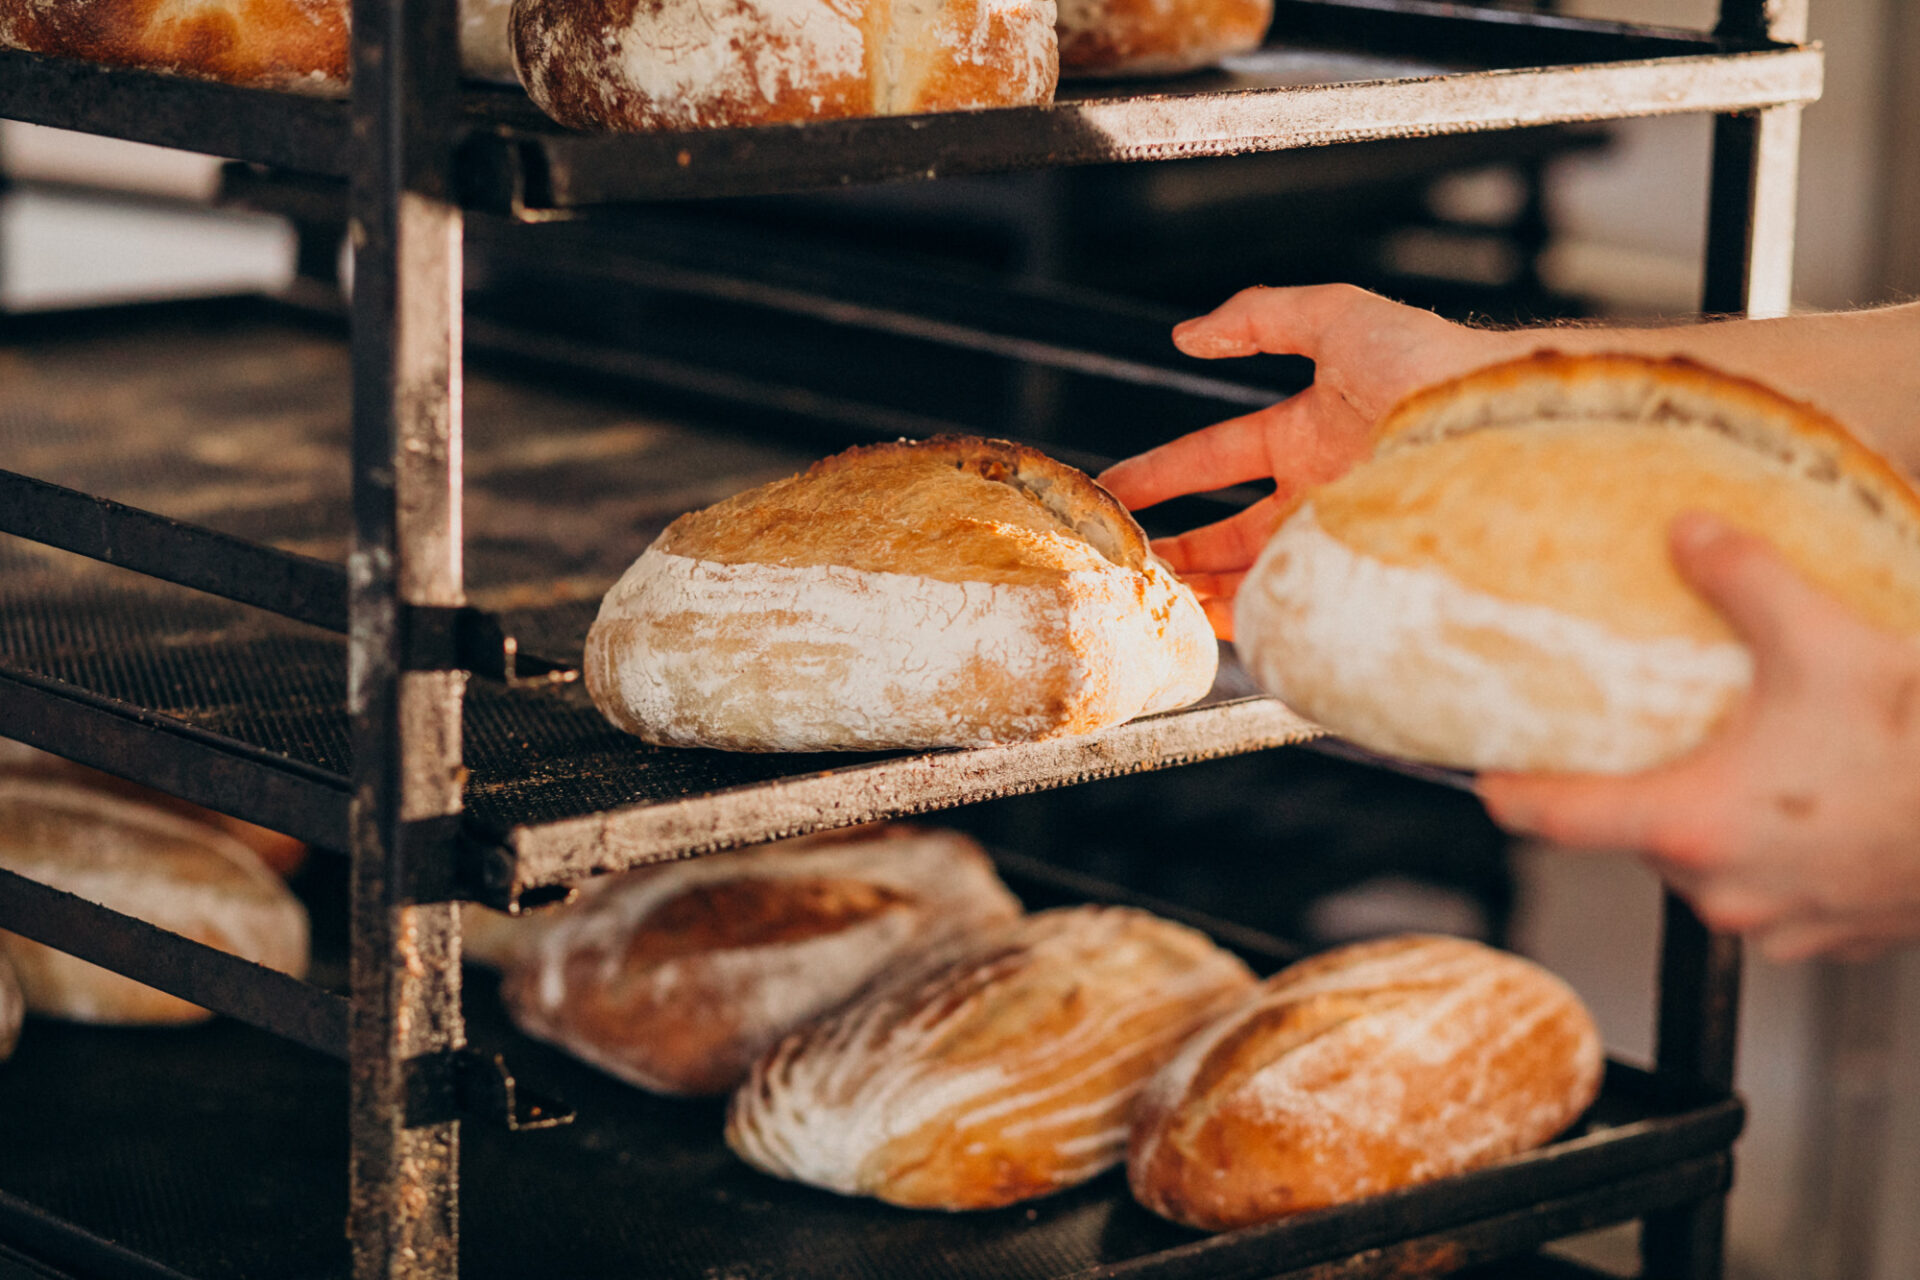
(217, 1153)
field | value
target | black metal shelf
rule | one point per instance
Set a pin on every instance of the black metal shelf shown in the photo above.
(211, 1152)
(1336, 71)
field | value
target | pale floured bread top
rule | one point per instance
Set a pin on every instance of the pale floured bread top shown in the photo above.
(954, 509)
(1553, 480)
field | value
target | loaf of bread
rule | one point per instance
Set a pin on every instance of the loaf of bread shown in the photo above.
(990, 1073)
(13, 1008)
(1493, 589)
(1366, 1068)
(267, 44)
(676, 978)
(956, 592)
(702, 64)
(1156, 37)
(139, 860)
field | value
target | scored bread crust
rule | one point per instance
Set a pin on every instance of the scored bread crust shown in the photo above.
(181, 875)
(701, 64)
(1366, 1068)
(958, 592)
(676, 978)
(1156, 37)
(990, 1072)
(1493, 588)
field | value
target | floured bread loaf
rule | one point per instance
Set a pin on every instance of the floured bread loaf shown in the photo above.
(182, 875)
(1493, 589)
(702, 64)
(268, 44)
(955, 592)
(1369, 1067)
(677, 977)
(1156, 37)
(990, 1073)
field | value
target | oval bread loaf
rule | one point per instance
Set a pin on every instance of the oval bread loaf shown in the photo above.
(677, 977)
(1493, 589)
(1366, 1068)
(956, 592)
(269, 44)
(702, 64)
(182, 875)
(1156, 37)
(990, 1073)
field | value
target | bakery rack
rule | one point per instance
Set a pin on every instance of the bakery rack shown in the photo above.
(328, 695)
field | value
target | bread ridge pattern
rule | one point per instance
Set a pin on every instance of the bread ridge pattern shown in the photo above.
(991, 1072)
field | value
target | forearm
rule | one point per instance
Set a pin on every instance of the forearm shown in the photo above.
(1863, 367)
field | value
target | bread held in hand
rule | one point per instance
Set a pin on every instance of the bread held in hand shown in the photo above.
(1366, 1068)
(991, 1073)
(956, 592)
(677, 977)
(1493, 588)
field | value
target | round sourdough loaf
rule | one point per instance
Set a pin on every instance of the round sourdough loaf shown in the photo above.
(182, 875)
(701, 64)
(1493, 588)
(988, 1073)
(1156, 37)
(272, 44)
(1363, 1069)
(955, 592)
(677, 977)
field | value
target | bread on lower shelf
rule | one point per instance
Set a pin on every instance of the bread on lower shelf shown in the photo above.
(952, 592)
(994, 1072)
(676, 978)
(185, 876)
(1363, 1069)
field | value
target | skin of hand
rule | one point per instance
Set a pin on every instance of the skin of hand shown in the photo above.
(1368, 352)
(1798, 821)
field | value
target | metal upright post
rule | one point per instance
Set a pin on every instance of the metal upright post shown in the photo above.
(406, 1021)
(1748, 271)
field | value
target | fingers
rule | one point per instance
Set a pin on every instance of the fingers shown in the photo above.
(1219, 611)
(1226, 453)
(1588, 811)
(1214, 586)
(1281, 321)
(1760, 595)
(1225, 546)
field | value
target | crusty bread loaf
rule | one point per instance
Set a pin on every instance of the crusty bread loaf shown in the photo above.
(990, 1073)
(269, 44)
(700, 64)
(677, 977)
(1494, 590)
(1366, 1068)
(182, 875)
(956, 592)
(1156, 37)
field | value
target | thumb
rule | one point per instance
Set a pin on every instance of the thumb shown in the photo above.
(1762, 597)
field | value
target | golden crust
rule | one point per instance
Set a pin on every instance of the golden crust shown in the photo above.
(1156, 37)
(1537, 481)
(953, 508)
(265, 43)
(1367, 1068)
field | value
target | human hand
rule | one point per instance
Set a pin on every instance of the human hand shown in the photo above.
(1799, 821)
(1368, 354)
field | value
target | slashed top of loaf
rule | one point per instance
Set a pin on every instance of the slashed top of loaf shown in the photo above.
(954, 509)
(1553, 480)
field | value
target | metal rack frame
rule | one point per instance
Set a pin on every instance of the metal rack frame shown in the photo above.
(419, 153)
